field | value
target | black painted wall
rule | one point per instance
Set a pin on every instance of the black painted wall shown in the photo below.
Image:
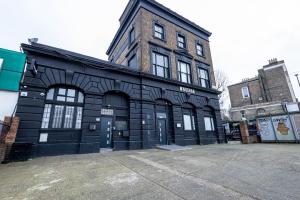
(95, 78)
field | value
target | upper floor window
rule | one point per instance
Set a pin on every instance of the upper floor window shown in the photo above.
(131, 36)
(159, 31)
(245, 92)
(203, 77)
(199, 49)
(132, 63)
(243, 114)
(63, 109)
(184, 72)
(160, 65)
(181, 42)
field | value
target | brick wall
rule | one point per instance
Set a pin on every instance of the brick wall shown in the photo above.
(171, 43)
(143, 25)
(275, 82)
(256, 94)
(123, 47)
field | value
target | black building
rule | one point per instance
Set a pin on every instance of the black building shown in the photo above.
(71, 103)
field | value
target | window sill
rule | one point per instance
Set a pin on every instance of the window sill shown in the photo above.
(162, 40)
(205, 87)
(182, 48)
(199, 56)
(132, 43)
(58, 129)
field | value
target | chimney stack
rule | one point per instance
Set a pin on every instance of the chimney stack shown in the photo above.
(273, 60)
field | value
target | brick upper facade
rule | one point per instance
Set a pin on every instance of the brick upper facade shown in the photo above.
(267, 92)
(142, 22)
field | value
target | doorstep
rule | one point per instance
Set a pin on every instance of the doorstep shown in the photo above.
(172, 147)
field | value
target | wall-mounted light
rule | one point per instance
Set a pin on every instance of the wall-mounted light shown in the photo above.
(1, 63)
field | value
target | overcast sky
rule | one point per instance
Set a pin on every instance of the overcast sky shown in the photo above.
(245, 33)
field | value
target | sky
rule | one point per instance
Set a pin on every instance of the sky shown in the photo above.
(245, 33)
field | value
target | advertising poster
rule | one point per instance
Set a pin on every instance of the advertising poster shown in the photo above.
(265, 129)
(283, 128)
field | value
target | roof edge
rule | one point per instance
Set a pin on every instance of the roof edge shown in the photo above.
(156, 4)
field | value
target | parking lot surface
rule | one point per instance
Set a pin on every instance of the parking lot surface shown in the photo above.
(256, 171)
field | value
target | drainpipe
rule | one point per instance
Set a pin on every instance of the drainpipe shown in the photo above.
(274, 130)
(297, 79)
(292, 125)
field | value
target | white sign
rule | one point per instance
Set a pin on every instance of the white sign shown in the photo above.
(1, 63)
(24, 94)
(107, 111)
(187, 90)
(43, 137)
(178, 125)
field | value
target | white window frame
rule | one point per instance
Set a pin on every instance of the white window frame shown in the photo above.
(244, 93)
(189, 123)
(209, 124)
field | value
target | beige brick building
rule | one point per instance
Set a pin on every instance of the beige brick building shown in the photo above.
(143, 24)
(270, 92)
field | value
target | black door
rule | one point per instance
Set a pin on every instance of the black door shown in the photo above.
(106, 132)
(161, 130)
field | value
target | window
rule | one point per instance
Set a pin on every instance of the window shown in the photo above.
(203, 77)
(63, 109)
(121, 124)
(184, 72)
(189, 122)
(199, 49)
(181, 41)
(243, 114)
(160, 65)
(245, 92)
(131, 36)
(132, 63)
(209, 124)
(46, 116)
(159, 31)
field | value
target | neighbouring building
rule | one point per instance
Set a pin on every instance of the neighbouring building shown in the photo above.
(270, 92)
(156, 89)
(11, 70)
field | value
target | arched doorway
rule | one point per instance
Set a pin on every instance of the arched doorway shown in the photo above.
(164, 122)
(189, 124)
(114, 121)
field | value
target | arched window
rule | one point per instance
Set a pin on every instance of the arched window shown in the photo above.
(260, 111)
(63, 109)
